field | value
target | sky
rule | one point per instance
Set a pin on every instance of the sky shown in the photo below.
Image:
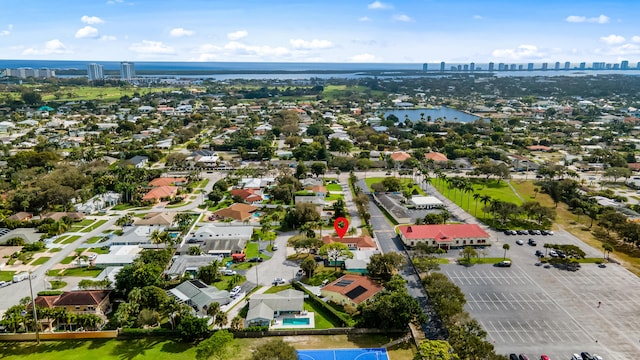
(417, 31)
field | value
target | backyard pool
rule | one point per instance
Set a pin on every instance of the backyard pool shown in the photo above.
(295, 321)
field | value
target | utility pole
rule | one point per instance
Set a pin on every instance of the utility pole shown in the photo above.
(35, 313)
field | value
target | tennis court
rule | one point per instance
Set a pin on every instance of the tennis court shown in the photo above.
(344, 354)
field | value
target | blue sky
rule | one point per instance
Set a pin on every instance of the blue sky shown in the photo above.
(321, 31)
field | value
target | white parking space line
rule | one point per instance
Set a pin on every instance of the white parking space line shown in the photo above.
(507, 332)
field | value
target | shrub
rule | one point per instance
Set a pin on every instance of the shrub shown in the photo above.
(15, 242)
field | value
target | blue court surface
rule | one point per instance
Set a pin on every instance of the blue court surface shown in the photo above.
(344, 354)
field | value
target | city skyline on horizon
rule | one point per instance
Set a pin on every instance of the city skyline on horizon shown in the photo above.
(369, 31)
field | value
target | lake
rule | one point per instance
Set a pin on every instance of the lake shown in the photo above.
(443, 112)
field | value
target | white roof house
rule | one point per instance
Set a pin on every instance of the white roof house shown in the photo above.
(212, 232)
(117, 256)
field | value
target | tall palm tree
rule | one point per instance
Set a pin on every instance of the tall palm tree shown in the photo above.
(156, 237)
(476, 196)
(608, 249)
(485, 199)
(505, 247)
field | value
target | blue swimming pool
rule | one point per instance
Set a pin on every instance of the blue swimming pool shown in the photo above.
(295, 321)
(344, 354)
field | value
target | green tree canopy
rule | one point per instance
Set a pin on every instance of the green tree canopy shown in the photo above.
(275, 349)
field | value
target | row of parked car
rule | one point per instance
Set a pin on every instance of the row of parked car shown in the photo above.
(583, 356)
(528, 232)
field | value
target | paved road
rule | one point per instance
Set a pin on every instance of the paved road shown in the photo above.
(12, 294)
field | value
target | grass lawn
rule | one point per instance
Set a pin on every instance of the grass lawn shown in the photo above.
(99, 250)
(83, 223)
(67, 260)
(334, 197)
(252, 250)
(94, 240)
(57, 284)
(277, 289)
(161, 349)
(149, 348)
(224, 283)
(406, 182)
(500, 191)
(94, 226)
(82, 272)
(41, 260)
(488, 260)
(54, 250)
(71, 239)
(334, 187)
(59, 239)
(319, 316)
(7, 275)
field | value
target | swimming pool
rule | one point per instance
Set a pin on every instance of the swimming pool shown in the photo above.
(344, 354)
(295, 321)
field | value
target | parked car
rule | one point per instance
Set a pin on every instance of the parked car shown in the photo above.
(553, 253)
(523, 357)
(544, 357)
(228, 272)
(532, 242)
(586, 356)
(549, 232)
(274, 247)
(504, 263)
(522, 232)
(256, 259)
(513, 357)
(539, 253)
(519, 242)
(235, 291)
(576, 357)
(597, 357)
(299, 273)
(279, 281)
(531, 232)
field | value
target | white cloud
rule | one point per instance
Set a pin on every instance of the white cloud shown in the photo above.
(478, 17)
(363, 58)
(237, 35)
(260, 50)
(402, 17)
(87, 32)
(635, 38)
(54, 46)
(308, 45)
(612, 39)
(108, 38)
(7, 31)
(364, 18)
(623, 50)
(378, 5)
(111, 2)
(91, 20)
(602, 19)
(522, 52)
(180, 32)
(151, 47)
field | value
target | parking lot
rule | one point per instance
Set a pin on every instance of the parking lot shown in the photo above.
(535, 310)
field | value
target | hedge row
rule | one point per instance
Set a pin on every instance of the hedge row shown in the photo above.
(337, 317)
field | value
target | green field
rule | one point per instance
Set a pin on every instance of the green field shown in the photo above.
(41, 260)
(161, 349)
(334, 188)
(499, 191)
(75, 93)
(342, 91)
(81, 272)
(6, 275)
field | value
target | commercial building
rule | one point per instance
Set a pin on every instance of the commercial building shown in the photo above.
(24, 73)
(127, 71)
(95, 72)
(444, 236)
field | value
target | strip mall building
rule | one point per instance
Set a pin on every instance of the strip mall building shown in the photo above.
(444, 236)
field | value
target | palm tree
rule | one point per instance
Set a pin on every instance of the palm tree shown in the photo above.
(546, 246)
(468, 188)
(485, 199)
(156, 237)
(170, 308)
(236, 323)
(505, 247)
(476, 196)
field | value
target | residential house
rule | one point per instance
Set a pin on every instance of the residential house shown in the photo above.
(249, 196)
(98, 203)
(351, 290)
(96, 302)
(21, 216)
(264, 308)
(161, 192)
(436, 157)
(353, 243)
(444, 236)
(164, 219)
(168, 181)
(219, 240)
(399, 156)
(238, 212)
(58, 215)
(198, 295)
(138, 161)
(120, 255)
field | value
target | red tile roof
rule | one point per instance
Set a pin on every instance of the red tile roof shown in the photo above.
(400, 156)
(246, 194)
(371, 287)
(236, 211)
(160, 192)
(443, 233)
(360, 241)
(436, 156)
(167, 181)
(538, 148)
(86, 297)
